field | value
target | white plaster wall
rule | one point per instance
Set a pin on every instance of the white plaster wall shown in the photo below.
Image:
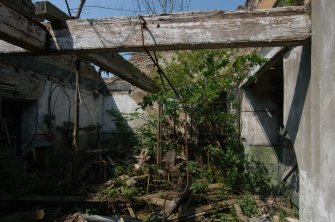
(123, 103)
(90, 110)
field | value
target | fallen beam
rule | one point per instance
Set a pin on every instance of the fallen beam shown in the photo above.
(119, 66)
(195, 30)
(20, 30)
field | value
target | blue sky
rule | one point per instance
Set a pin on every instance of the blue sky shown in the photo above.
(126, 7)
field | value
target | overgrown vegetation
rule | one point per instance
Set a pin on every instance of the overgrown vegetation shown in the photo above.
(200, 78)
(204, 87)
(283, 3)
(201, 104)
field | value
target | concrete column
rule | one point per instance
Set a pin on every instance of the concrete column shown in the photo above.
(317, 176)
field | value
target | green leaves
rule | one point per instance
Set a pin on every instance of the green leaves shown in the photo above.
(200, 76)
(249, 205)
(207, 82)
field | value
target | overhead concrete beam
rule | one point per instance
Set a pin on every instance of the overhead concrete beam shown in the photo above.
(122, 68)
(111, 62)
(194, 30)
(20, 30)
(48, 11)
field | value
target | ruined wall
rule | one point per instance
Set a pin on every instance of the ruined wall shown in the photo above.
(62, 99)
(260, 121)
(309, 107)
(316, 131)
(122, 102)
(124, 98)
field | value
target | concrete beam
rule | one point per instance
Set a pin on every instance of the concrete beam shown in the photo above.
(194, 30)
(21, 30)
(25, 7)
(119, 66)
(111, 62)
(48, 11)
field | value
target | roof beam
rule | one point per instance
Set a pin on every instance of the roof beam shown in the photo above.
(122, 68)
(25, 7)
(111, 62)
(19, 30)
(50, 12)
(195, 30)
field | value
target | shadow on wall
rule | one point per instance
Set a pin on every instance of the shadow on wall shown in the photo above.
(118, 136)
(265, 100)
(300, 93)
(264, 104)
(263, 116)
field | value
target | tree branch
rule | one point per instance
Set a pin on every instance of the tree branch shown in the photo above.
(68, 7)
(80, 8)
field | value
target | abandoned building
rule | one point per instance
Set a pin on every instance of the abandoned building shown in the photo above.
(52, 106)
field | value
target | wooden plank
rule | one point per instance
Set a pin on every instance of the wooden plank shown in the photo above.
(194, 30)
(203, 210)
(19, 30)
(239, 213)
(48, 11)
(122, 68)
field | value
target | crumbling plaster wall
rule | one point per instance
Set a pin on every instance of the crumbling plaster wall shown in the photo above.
(94, 109)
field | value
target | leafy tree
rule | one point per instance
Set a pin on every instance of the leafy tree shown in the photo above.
(196, 80)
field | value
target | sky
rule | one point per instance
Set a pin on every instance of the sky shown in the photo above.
(127, 7)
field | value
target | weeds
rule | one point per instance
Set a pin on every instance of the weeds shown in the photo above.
(249, 205)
